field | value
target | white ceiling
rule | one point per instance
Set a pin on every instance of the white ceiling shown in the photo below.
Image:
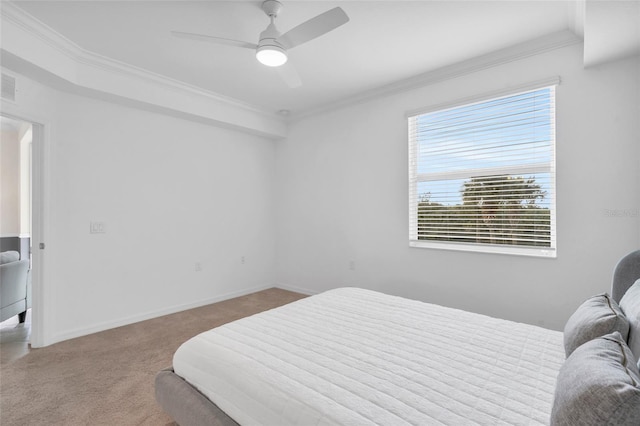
(384, 42)
(613, 30)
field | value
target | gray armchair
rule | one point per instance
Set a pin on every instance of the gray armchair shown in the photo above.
(626, 272)
(15, 288)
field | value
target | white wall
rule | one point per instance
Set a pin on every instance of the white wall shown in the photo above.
(343, 189)
(10, 182)
(171, 193)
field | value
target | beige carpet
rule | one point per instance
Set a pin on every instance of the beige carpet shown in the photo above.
(107, 378)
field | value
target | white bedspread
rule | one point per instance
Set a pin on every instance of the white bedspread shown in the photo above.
(357, 357)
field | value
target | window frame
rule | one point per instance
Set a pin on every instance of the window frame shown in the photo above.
(523, 169)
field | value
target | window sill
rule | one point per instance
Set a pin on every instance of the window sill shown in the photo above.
(549, 253)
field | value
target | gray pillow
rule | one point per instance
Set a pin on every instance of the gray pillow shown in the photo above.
(9, 256)
(630, 304)
(597, 316)
(598, 385)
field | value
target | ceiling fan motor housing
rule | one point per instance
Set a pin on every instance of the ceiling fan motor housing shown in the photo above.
(269, 51)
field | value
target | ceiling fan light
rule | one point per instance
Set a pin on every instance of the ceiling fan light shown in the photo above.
(271, 56)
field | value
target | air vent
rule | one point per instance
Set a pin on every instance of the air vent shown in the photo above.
(8, 87)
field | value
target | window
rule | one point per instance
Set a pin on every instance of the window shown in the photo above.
(482, 175)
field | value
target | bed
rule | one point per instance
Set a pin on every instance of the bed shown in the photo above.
(352, 356)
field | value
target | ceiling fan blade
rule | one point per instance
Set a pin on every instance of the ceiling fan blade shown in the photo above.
(314, 27)
(212, 39)
(289, 75)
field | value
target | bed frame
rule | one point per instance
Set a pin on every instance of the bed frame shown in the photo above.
(187, 406)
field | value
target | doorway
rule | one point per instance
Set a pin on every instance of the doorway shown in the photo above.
(16, 138)
(21, 190)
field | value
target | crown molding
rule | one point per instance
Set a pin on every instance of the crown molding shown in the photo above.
(503, 56)
(75, 60)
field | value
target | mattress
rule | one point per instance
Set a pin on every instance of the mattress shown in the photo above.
(357, 357)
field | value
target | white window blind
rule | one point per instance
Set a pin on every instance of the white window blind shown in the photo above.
(482, 175)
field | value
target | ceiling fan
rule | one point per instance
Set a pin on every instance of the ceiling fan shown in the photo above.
(271, 49)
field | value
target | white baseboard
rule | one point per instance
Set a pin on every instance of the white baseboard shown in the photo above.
(107, 325)
(296, 289)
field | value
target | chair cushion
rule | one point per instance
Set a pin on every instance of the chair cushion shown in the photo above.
(598, 385)
(630, 305)
(9, 256)
(597, 316)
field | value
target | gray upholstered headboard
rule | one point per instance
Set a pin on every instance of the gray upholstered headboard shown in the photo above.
(626, 273)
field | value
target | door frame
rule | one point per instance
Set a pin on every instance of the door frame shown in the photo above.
(40, 315)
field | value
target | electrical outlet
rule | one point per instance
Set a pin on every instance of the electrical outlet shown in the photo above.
(97, 228)
(242, 260)
(352, 265)
(198, 267)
